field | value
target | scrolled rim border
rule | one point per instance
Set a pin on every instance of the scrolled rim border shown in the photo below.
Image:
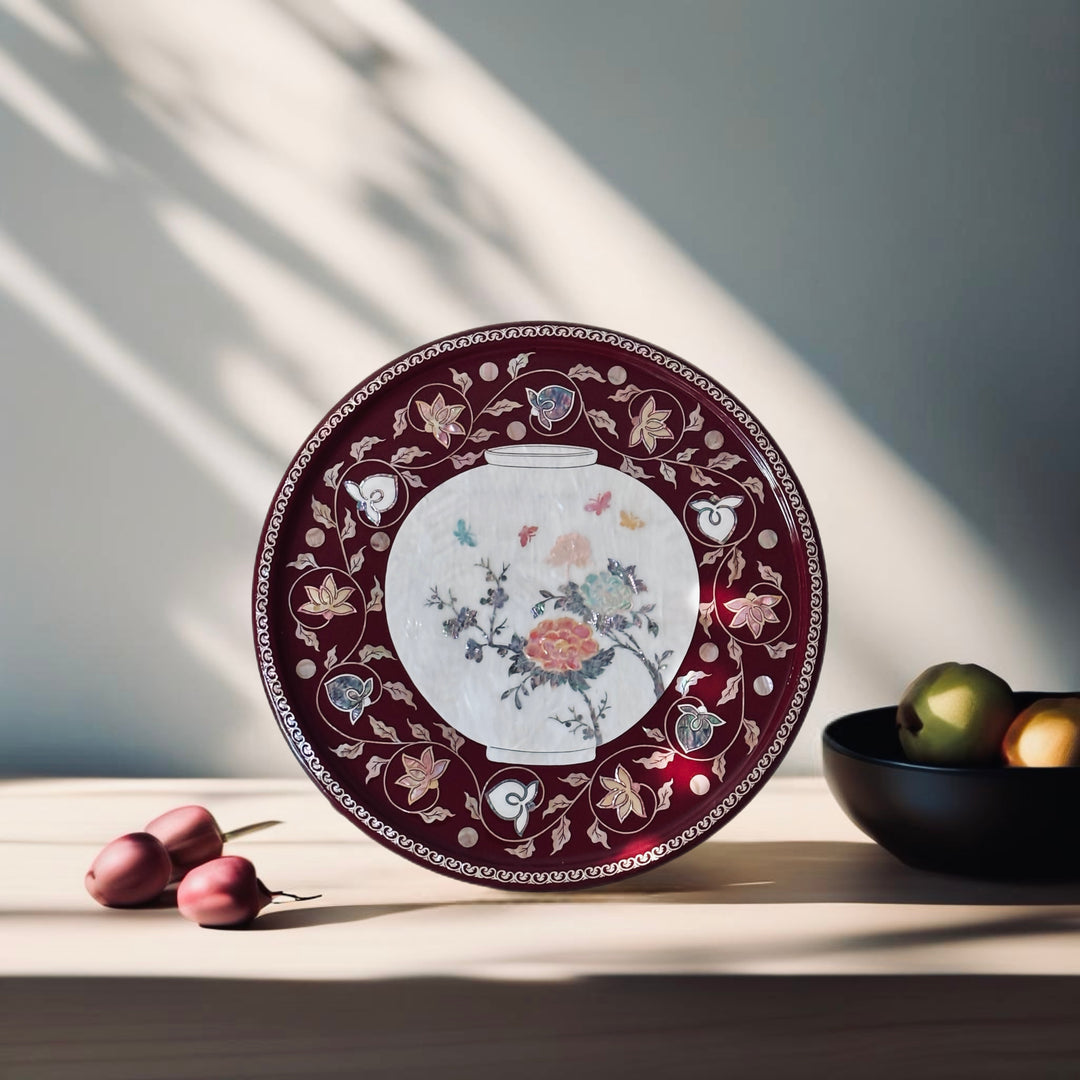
(598, 872)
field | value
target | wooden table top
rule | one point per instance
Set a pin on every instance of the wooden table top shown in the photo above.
(789, 887)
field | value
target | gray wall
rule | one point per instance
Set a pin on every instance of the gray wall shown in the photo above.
(892, 187)
(199, 255)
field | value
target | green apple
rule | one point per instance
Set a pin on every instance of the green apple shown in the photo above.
(955, 714)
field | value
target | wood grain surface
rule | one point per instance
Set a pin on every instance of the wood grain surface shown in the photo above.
(788, 945)
(651, 1026)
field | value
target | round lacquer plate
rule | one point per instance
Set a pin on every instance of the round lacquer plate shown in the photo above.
(539, 606)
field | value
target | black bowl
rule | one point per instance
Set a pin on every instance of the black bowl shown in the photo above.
(994, 821)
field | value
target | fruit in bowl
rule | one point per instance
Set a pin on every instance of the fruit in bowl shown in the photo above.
(964, 715)
(947, 796)
(955, 714)
(1045, 735)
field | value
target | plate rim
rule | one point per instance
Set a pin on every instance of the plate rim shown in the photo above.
(599, 872)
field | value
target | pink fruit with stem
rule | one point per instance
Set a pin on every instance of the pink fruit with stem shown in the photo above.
(131, 870)
(192, 836)
(222, 893)
(225, 893)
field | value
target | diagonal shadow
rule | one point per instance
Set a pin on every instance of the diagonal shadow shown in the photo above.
(764, 873)
(815, 872)
(1018, 926)
(103, 241)
(295, 917)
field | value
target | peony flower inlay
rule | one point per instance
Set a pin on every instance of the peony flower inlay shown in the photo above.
(421, 774)
(753, 611)
(441, 419)
(623, 795)
(327, 599)
(649, 425)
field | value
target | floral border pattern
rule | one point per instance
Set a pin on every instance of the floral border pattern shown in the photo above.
(621, 795)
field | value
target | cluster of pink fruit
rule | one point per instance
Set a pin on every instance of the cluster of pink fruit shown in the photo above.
(185, 846)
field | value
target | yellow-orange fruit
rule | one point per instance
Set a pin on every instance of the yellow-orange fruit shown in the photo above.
(1045, 734)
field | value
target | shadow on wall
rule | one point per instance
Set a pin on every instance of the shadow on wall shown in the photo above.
(890, 187)
(198, 256)
(174, 339)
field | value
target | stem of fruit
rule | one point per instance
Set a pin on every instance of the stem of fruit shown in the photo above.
(293, 896)
(245, 829)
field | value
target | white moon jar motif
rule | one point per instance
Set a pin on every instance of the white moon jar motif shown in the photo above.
(541, 603)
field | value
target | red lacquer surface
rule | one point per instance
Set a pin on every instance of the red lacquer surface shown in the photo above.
(383, 754)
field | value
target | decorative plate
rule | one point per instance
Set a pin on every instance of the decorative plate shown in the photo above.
(539, 606)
